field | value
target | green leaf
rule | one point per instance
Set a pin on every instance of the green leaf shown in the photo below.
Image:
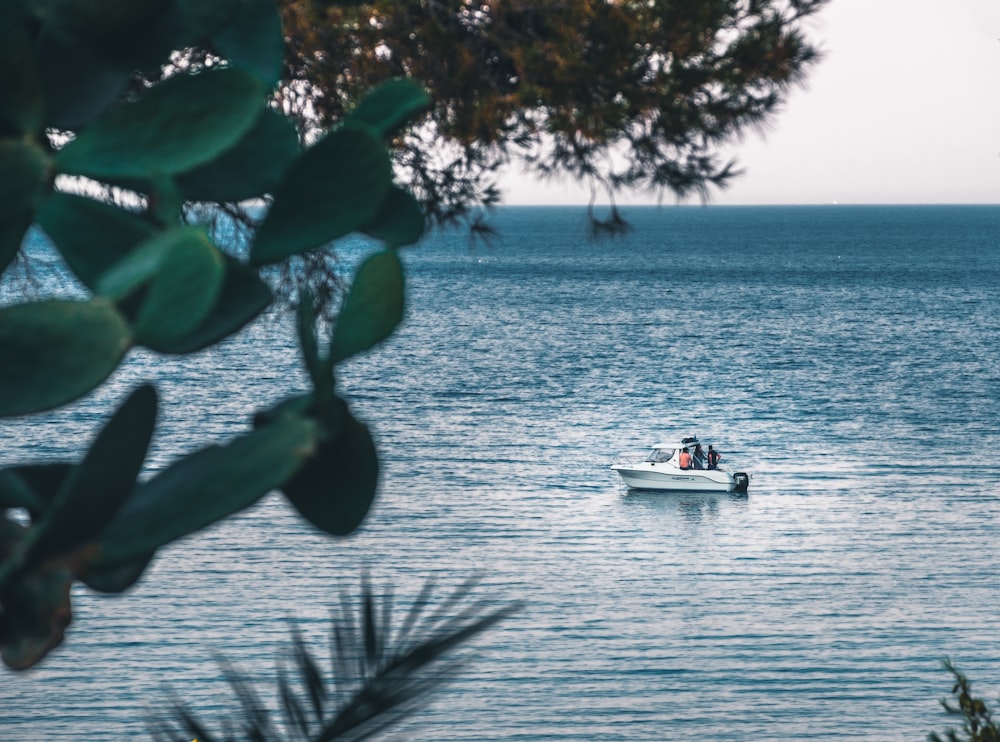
(79, 87)
(183, 272)
(36, 614)
(373, 309)
(99, 486)
(336, 487)
(166, 204)
(16, 493)
(125, 33)
(252, 168)
(56, 351)
(25, 167)
(44, 481)
(25, 174)
(206, 486)
(176, 126)
(390, 105)
(302, 405)
(90, 235)
(332, 189)
(183, 293)
(12, 535)
(22, 97)
(138, 267)
(12, 233)
(253, 40)
(203, 19)
(399, 222)
(114, 579)
(243, 297)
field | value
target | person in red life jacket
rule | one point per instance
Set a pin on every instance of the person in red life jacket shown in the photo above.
(684, 459)
(713, 458)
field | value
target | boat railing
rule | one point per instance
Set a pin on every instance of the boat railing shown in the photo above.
(630, 458)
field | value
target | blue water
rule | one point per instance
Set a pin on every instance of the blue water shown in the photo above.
(846, 356)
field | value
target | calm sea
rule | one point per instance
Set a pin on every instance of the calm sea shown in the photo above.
(846, 356)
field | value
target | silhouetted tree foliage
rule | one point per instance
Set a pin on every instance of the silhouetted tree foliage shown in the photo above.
(118, 167)
(622, 95)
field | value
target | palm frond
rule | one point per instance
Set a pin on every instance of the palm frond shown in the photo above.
(380, 671)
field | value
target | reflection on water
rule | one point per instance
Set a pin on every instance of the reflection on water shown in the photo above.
(692, 506)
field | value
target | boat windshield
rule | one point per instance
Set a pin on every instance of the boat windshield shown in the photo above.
(659, 455)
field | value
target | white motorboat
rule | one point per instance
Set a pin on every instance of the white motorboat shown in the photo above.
(661, 469)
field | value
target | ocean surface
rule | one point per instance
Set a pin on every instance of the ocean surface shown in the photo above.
(848, 357)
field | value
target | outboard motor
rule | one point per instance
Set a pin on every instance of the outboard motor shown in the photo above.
(742, 480)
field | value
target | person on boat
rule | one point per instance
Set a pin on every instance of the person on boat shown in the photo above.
(713, 458)
(684, 460)
(698, 458)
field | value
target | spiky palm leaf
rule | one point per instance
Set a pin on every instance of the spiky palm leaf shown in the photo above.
(378, 674)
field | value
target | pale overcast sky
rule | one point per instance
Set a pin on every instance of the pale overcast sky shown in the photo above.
(904, 108)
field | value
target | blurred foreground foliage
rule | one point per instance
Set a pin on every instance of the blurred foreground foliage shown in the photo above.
(380, 669)
(976, 715)
(84, 112)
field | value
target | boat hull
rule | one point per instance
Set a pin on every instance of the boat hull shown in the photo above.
(649, 476)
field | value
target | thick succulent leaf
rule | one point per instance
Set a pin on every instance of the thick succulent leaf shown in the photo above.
(79, 86)
(95, 491)
(390, 105)
(182, 272)
(183, 292)
(139, 266)
(125, 33)
(336, 487)
(12, 535)
(24, 169)
(44, 480)
(176, 126)
(204, 19)
(114, 579)
(254, 167)
(243, 297)
(90, 235)
(36, 614)
(56, 351)
(204, 487)
(166, 204)
(22, 96)
(253, 39)
(373, 309)
(332, 189)
(399, 222)
(300, 406)
(16, 493)
(12, 233)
